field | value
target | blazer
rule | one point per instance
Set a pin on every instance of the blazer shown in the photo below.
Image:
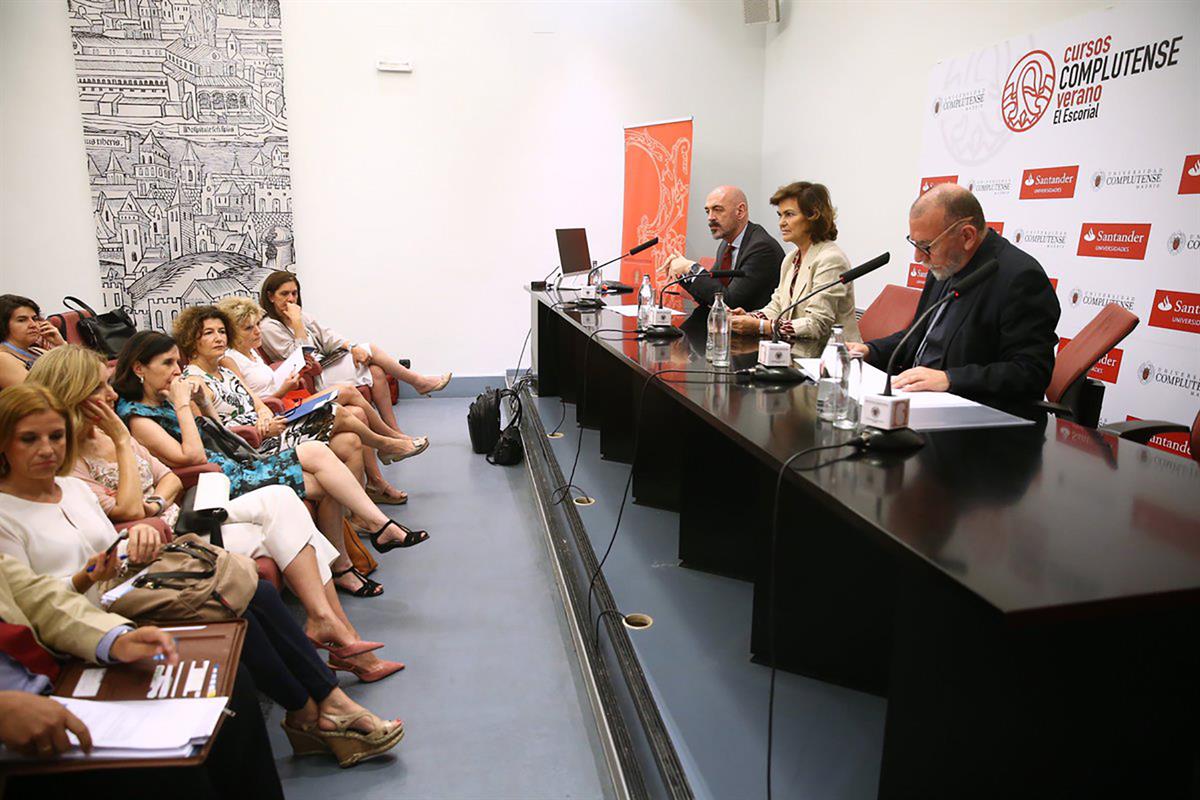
(823, 263)
(278, 340)
(62, 620)
(759, 256)
(1000, 339)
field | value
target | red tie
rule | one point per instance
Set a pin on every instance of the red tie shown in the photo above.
(726, 263)
(17, 642)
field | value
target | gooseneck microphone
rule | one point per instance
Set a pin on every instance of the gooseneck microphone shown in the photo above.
(616, 286)
(968, 283)
(670, 331)
(848, 276)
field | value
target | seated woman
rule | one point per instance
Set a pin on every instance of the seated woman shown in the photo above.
(25, 337)
(806, 219)
(161, 408)
(55, 525)
(242, 357)
(288, 327)
(132, 484)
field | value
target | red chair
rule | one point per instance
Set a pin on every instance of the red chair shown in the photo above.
(1071, 393)
(67, 323)
(891, 311)
(1143, 430)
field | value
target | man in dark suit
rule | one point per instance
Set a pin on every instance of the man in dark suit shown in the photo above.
(996, 343)
(744, 245)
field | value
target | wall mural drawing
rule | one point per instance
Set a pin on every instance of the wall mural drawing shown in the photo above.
(185, 128)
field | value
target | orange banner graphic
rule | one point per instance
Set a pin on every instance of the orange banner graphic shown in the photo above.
(658, 171)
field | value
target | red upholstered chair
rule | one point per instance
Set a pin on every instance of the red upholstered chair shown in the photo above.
(67, 323)
(1071, 393)
(891, 311)
(1143, 430)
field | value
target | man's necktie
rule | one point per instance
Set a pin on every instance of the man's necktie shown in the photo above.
(726, 263)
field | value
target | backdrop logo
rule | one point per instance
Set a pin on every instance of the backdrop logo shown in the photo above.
(1048, 182)
(1146, 371)
(1128, 178)
(1180, 241)
(1176, 380)
(1113, 239)
(1041, 237)
(998, 227)
(1107, 369)
(929, 183)
(968, 100)
(1101, 299)
(1028, 91)
(916, 276)
(1177, 311)
(1189, 181)
(989, 185)
(1176, 443)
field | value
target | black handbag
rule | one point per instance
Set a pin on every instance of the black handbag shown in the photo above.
(508, 449)
(107, 332)
(217, 437)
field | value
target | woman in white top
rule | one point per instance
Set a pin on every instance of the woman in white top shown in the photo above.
(55, 525)
(288, 327)
(807, 220)
(245, 337)
(131, 484)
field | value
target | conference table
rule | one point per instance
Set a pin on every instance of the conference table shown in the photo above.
(1027, 598)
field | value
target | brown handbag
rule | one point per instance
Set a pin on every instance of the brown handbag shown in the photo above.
(190, 580)
(360, 556)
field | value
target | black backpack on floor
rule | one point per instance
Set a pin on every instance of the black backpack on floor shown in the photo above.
(483, 425)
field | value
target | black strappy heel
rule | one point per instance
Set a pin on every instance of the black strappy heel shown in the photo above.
(411, 537)
(369, 588)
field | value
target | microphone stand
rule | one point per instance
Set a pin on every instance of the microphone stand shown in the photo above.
(789, 374)
(665, 331)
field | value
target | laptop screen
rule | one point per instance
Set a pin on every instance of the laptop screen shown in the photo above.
(573, 252)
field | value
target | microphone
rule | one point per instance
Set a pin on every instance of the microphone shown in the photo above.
(616, 286)
(968, 283)
(670, 331)
(774, 357)
(888, 428)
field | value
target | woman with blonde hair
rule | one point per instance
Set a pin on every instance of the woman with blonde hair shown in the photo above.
(130, 484)
(245, 337)
(53, 523)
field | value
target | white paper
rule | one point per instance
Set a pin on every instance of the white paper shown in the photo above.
(89, 682)
(290, 366)
(873, 383)
(117, 592)
(632, 311)
(212, 491)
(146, 724)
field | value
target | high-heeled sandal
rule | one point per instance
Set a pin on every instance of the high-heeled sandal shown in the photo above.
(442, 384)
(366, 588)
(392, 458)
(411, 537)
(352, 747)
(377, 673)
(381, 498)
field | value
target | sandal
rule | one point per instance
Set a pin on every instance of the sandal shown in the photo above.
(377, 673)
(347, 745)
(392, 458)
(368, 587)
(411, 537)
(441, 384)
(345, 651)
(382, 498)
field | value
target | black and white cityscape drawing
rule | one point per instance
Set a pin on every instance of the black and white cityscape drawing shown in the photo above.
(185, 127)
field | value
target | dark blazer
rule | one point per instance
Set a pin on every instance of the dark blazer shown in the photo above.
(1000, 339)
(760, 256)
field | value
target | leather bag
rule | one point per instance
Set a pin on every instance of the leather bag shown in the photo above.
(107, 332)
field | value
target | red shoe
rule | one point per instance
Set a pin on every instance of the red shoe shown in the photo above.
(377, 673)
(348, 651)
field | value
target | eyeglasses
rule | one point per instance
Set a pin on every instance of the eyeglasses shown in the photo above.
(927, 247)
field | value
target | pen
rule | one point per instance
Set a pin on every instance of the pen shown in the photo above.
(162, 656)
(93, 566)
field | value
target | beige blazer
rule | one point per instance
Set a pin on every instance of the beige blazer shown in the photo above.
(814, 319)
(62, 620)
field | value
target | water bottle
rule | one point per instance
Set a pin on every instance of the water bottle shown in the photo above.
(718, 321)
(594, 274)
(851, 390)
(645, 303)
(829, 385)
(708, 342)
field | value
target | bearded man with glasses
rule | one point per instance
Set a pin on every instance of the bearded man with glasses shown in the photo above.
(995, 344)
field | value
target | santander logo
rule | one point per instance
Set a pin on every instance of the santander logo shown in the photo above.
(1189, 181)
(1107, 369)
(917, 276)
(1028, 91)
(1114, 239)
(1177, 311)
(1044, 183)
(929, 183)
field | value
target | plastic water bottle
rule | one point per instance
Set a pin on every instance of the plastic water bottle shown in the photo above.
(710, 339)
(645, 303)
(594, 277)
(718, 320)
(829, 386)
(850, 390)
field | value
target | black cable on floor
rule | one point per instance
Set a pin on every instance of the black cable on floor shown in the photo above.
(855, 442)
(517, 377)
(637, 416)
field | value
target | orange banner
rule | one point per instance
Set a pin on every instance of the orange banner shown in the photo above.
(658, 172)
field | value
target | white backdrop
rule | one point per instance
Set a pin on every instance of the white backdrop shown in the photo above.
(1082, 142)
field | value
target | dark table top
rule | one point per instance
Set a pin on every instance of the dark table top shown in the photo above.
(1035, 520)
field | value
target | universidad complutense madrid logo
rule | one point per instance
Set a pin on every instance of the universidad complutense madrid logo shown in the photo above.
(1028, 91)
(1189, 181)
(1177, 311)
(1114, 239)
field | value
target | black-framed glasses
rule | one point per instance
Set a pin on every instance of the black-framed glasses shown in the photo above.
(927, 247)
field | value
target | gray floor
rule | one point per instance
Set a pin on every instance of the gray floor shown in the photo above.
(491, 697)
(828, 740)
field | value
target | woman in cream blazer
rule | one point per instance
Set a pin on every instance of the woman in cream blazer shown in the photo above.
(806, 219)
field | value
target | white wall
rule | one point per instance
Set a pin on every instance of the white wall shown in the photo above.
(423, 201)
(844, 91)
